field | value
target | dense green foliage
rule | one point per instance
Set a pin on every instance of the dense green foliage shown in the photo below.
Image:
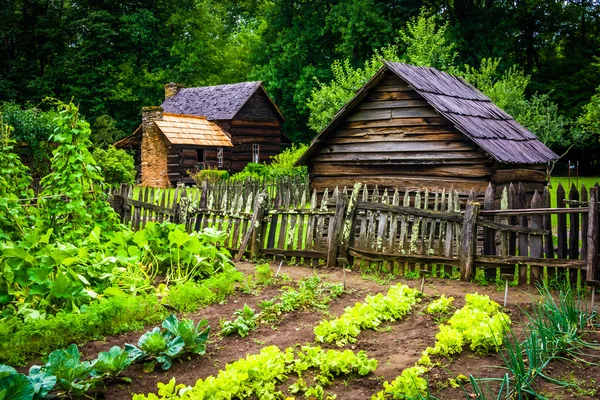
(33, 127)
(74, 175)
(114, 57)
(21, 341)
(208, 175)
(116, 166)
(281, 165)
(15, 185)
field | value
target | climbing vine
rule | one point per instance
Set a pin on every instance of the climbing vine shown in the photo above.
(72, 201)
(15, 185)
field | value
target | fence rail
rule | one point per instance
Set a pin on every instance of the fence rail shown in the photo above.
(418, 231)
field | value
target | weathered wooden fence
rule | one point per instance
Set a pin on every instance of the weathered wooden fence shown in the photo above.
(416, 231)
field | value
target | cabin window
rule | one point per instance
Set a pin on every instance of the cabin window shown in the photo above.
(200, 159)
(255, 153)
(220, 157)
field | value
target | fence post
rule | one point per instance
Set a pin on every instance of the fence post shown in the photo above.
(348, 231)
(258, 212)
(468, 240)
(535, 241)
(489, 235)
(258, 229)
(592, 236)
(337, 222)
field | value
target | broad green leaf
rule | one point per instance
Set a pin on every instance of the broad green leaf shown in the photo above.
(178, 237)
(16, 387)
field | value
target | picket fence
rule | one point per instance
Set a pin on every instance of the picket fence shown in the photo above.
(418, 231)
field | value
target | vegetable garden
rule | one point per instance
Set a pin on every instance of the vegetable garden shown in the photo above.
(93, 308)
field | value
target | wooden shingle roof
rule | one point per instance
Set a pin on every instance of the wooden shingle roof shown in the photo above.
(221, 102)
(470, 111)
(475, 115)
(192, 130)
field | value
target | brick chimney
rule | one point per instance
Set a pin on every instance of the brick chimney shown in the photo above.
(171, 89)
(154, 150)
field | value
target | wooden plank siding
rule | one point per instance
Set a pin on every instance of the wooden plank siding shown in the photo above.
(396, 140)
(178, 165)
(257, 122)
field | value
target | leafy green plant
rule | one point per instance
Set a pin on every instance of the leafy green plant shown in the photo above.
(441, 305)
(264, 274)
(164, 345)
(370, 314)
(194, 336)
(14, 385)
(156, 347)
(408, 385)
(72, 374)
(244, 323)
(111, 363)
(116, 166)
(75, 177)
(15, 186)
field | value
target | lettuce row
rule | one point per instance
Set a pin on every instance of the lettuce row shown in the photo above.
(479, 324)
(370, 314)
(260, 374)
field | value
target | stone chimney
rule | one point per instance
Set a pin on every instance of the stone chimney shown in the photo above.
(154, 150)
(171, 89)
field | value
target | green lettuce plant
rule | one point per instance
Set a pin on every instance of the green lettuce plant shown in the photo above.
(242, 325)
(194, 336)
(111, 363)
(156, 347)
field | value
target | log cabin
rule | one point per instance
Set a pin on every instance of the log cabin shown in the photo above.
(243, 112)
(417, 127)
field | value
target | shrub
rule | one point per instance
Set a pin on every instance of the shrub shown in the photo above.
(32, 127)
(283, 164)
(210, 175)
(116, 165)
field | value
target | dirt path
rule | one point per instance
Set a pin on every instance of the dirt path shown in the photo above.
(396, 346)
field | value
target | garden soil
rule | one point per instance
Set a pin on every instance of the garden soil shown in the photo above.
(395, 345)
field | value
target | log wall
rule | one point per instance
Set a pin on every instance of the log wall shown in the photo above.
(395, 139)
(257, 122)
(181, 158)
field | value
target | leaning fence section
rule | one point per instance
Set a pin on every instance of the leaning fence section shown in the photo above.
(412, 231)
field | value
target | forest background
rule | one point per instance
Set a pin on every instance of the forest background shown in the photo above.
(537, 58)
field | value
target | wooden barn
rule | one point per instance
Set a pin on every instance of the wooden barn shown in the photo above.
(168, 146)
(417, 127)
(243, 110)
(239, 122)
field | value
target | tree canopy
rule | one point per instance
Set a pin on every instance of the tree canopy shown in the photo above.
(113, 57)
